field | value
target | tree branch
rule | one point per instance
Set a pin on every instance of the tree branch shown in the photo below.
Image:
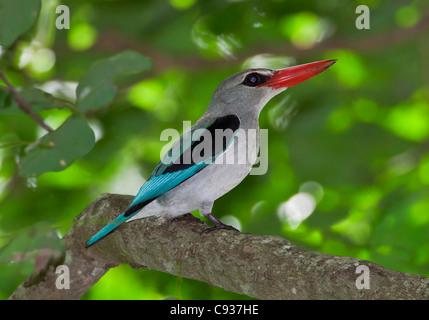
(23, 104)
(264, 267)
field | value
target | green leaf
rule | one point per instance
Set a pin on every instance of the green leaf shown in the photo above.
(96, 88)
(16, 18)
(37, 99)
(57, 150)
(40, 100)
(6, 99)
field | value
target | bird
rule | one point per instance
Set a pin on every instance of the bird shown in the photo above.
(195, 171)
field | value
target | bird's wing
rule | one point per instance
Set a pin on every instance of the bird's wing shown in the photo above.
(194, 151)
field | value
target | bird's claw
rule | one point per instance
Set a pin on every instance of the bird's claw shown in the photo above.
(188, 217)
(219, 227)
(218, 224)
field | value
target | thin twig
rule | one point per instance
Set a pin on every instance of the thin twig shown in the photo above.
(23, 104)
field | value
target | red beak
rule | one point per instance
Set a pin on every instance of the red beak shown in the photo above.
(292, 76)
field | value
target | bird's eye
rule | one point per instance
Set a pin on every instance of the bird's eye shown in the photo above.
(254, 79)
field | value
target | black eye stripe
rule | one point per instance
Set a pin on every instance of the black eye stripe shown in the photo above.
(255, 79)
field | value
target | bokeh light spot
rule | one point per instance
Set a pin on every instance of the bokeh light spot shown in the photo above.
(351, 71)
(313, 188)
(340, 120)
(42, 60)
(295, 210)
(146, 94)
(81, 36)
(303, 29)
(409, 121)
(419, 213)
(182, 4)
(407, 16)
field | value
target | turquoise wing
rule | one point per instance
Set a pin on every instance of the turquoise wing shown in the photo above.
(180, 167)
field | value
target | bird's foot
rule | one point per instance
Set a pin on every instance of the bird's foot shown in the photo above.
(187, 216)
(218, 225)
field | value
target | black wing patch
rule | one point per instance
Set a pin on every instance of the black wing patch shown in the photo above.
(168, 176)
(222, 127)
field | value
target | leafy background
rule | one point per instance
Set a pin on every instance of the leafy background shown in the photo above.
(351, 141)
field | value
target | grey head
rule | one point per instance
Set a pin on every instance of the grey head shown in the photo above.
(243, 92)
(248, 91)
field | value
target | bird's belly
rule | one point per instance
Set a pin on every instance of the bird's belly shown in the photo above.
(209, 184)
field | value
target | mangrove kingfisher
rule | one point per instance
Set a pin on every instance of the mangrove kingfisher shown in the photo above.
(216, 153)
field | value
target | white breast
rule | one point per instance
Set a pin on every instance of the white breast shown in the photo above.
(212, 182)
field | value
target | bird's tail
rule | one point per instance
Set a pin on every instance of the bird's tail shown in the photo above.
(107, 229)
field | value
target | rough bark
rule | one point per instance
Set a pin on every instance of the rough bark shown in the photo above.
(265, 267)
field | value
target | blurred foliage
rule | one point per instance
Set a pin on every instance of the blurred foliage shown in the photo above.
(349, 147)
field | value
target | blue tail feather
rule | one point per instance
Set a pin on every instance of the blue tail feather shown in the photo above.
(107, 229)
